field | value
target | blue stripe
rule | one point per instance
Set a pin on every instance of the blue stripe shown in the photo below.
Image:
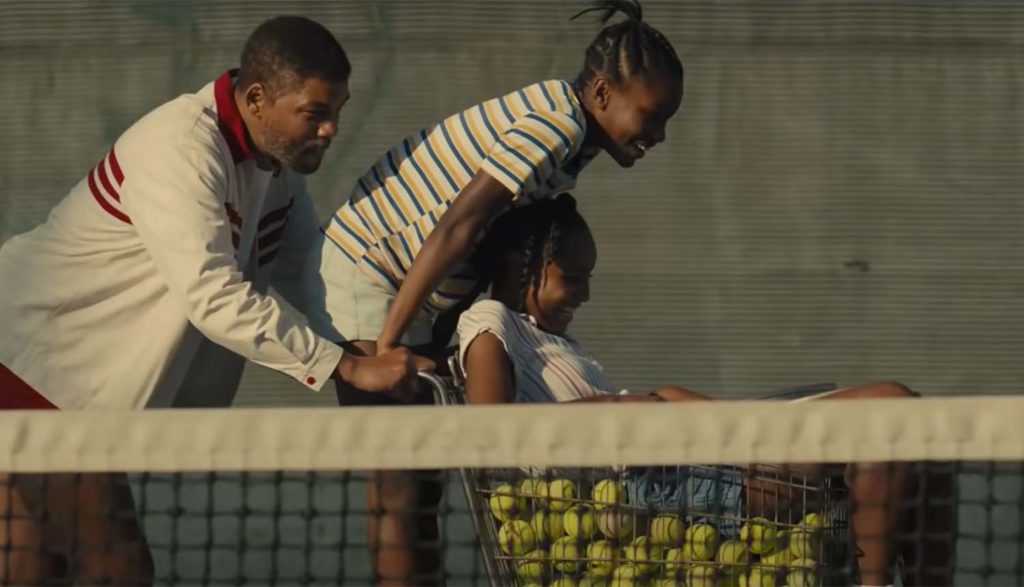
(565, 139)
(469, 133)
(377, 210)
(423, 176)
(432, 216)
(392, 253)
(391, 280)
(437, 160)
(451, 145)
(520, 156)
(515, 179)
(537, 143)
(526, 101)
(394, 169)
(565, 92)
(344, 226)
(391, 200)
(340, 248)
(364, 188)
(544, 90)
(419, 234)
(504, 108)
(487, 123)
(405, 245)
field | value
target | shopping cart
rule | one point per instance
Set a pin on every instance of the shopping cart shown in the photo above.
(687, 525)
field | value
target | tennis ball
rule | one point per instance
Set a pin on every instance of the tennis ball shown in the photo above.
(812, 522)
(579, 521)
(564, 581)
(802, 544)
(802, 574)
(547, 526)
(666, 529)
(516, 538)
(506, 504)
(674, 560)
(669, 582)
(532, 566)
(701, 533)
(734, 554)
(558, 493)
(532, 487)
(607, 492)
(701, 576)
(757, 577)
(591, 580)
(779, 558)
(601, 554)
(626, 576)
(642, 553)
(614, 524)
(759, 535)
(698, 551)
(564, 553)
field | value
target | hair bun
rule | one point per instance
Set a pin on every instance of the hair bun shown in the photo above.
(565, 201)
(631, 8)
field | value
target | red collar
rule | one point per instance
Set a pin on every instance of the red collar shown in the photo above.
(229, 119)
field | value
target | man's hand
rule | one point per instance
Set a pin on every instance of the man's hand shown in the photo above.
(393, 371)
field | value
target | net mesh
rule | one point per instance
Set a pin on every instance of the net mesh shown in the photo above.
(771, 493)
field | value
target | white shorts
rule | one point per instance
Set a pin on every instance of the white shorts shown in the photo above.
(347, 303)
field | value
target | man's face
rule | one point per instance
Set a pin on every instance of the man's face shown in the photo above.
(296, 126)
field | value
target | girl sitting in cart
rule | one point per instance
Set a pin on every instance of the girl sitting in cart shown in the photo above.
(514, 348)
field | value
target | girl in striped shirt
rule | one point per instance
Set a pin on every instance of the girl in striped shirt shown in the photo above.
(514, 348)
(392, 257)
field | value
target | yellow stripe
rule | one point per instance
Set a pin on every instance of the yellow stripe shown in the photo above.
(427, 165)
(362, 207)
(381, 200)
(344, 241)
(478, 130)
(419, 191)
(563, 125)
(496, 116)
(536, 97)
(398, 194)
(514, 102)
(356, 226)
(466, 151)
(454, 169)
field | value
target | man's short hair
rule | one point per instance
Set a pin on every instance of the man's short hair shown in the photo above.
(287, 50)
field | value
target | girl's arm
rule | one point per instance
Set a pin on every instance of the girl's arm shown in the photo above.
(489, 378)
(449, 243)
(662, 394)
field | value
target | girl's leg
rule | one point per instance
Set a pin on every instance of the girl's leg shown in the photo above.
(402, 529)
(74, 529)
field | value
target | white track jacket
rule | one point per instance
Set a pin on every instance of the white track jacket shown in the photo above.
(146, 285)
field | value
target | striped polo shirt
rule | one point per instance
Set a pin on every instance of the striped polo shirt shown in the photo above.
(527, 140)
(547, 367)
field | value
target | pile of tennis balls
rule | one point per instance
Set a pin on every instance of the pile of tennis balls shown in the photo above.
(558, 538)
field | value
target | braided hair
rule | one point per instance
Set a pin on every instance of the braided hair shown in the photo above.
(536, 231)
(628, 48)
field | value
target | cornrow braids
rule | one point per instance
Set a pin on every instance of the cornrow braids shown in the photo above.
(628, 48)
(535, 231)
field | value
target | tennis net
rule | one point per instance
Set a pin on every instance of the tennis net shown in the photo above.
(727, 493)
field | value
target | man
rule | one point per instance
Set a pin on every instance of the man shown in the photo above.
(146, 287)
